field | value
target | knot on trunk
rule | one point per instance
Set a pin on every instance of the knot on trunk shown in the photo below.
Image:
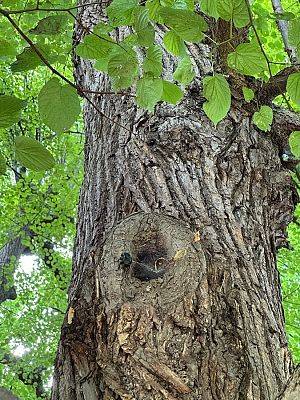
(149, 259)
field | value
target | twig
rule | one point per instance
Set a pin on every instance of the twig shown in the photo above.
(30, 10)
(257, 36)
(88, 30)
(263, 50)
(53, 70)
(100, 93)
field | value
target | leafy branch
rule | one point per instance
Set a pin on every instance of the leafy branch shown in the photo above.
(37, 8)
(277, 84)
(257, 36)
(274, 81)
(52, 69)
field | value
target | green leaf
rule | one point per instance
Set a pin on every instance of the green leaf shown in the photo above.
(174, 44)
(294, 34)
(293, 87)
(209, 7)
(247, 59)
(129, 42)
(187, 24)
(122, 67)
(153, 61)
(284, 16)
(121, 12)
(294, 142)
(263, 118)
(148, 92)
(248, 94)
(52, 25)
(7, 48)
(184, 72)
(181, 4)
(235, 10)
(3, 167)
(32, 154)
(28, 59)
(102, 64)
(10, 110)
(95, 47)
(216, 90)
(171, 93)
(145, 37)
(154, 7)
(143, 28)
(102, 28)
(59, 105)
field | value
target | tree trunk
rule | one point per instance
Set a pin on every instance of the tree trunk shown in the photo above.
(209, 203)
(10, 254)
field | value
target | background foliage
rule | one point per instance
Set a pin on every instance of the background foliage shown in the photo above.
(39, 185)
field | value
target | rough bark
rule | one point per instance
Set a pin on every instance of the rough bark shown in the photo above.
(214, 203)
(292, 389)
(13, 248)
(7, 395)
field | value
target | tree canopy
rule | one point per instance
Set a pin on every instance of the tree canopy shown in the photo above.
(42, 136)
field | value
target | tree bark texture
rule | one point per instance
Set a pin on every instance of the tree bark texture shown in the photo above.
(13, 248)
(7, 395)
(213, 204)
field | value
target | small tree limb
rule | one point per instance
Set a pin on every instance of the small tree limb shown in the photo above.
(283, 29)
(276, 85)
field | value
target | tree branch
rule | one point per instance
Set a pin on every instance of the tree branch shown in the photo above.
(287, 120)
(257, 36)
(283, 29)
(14, 248)
(30, 10)
(276, 85)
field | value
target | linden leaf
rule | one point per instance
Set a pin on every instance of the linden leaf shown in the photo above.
(32, 154)
(174, 44)
(216, 90)
(248, 94)
(235, 10)
(293, 87)
(59, 105)
(10, 110)
(153, 61)
(148, 92)
(184, 72)
(247, 59)
(187, 24)
(209, 7)
(263, 118)
(294, 142)
(122, 12)
(171, 93)
(51, 25)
